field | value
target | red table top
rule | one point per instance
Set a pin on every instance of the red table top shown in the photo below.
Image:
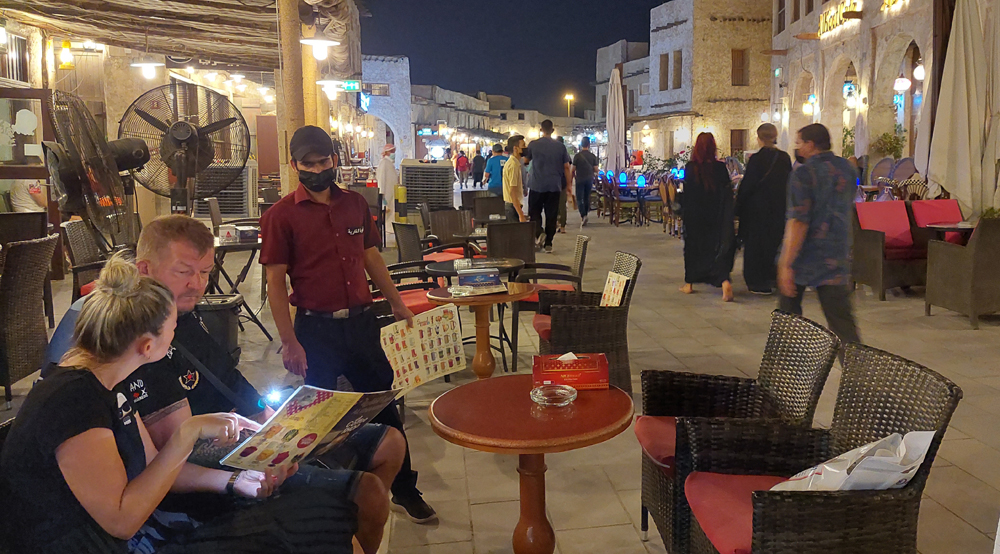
(498, 415)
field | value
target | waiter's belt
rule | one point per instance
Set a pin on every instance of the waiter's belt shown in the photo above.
(339, 314)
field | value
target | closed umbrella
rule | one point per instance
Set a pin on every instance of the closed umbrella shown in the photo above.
(991, 154)
(960, 130)
(617, 160)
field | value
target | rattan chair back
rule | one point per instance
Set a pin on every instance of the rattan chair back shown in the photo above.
(881, 394)
(511, 240)
(796, 363)
(469, 198)
(23, 336)
(445, 224)
(83, 249)
(214, 213)
(408, 242)
(270, 195)
(985, 247)
(628, 265)
(425, 219)
(580, 256)
(485, 206)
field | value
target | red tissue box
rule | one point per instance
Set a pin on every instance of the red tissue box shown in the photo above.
(587, 372)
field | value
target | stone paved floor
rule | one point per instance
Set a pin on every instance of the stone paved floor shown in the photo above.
(593, 493)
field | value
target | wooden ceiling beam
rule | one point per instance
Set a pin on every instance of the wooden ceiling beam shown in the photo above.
(87, 9)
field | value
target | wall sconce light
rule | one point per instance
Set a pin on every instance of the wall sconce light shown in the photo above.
(319, 46)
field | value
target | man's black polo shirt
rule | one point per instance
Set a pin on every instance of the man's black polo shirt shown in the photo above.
(161, 384)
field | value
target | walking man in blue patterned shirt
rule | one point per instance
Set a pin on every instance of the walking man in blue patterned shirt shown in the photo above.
(816, 251)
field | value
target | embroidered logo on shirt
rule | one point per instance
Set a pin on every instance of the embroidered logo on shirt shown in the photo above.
(124, 410)
(138, 390)
(355, 231)
(170, 352)
(189, 380)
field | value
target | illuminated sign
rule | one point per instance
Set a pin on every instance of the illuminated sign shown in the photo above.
(352, 86)
(365, 102)
(890, 4)
(834, 17)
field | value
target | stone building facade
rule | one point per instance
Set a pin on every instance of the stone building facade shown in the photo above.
(706, 72)
(847, 67)
(393, 109)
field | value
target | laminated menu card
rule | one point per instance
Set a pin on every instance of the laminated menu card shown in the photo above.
(614, 288)
(308, 424)
(430, 349)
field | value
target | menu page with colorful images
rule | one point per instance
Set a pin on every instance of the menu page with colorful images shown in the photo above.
(614, 288)
(311, 417)
(430, 349)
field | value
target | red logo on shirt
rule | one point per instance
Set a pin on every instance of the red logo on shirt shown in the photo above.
(189, 380)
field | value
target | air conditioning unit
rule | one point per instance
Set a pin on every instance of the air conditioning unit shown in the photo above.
(238, 200)
(428, 182)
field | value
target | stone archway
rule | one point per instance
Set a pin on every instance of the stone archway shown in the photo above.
(834, 102)
(881, 109)
(804, 86)
(393, 110)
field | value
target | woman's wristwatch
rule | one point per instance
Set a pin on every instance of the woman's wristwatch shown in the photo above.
(231, 485)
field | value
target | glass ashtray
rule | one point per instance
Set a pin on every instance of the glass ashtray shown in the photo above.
(555, 396)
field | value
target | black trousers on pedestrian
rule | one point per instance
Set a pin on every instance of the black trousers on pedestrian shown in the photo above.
(352, 348)
(837, 307)
(549, 203)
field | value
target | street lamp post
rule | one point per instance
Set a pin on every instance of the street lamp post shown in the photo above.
(569, 105)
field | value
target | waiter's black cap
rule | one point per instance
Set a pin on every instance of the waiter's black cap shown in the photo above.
(310, 140)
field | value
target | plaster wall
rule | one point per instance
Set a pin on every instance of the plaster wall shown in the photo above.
(394, 110)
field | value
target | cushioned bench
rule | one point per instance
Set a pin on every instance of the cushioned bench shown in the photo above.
(931, 212)
(887, 253)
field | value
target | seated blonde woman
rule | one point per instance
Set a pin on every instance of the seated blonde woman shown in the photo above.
(84, 476)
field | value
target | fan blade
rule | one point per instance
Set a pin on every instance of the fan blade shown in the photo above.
(153, 121)
(217, 126)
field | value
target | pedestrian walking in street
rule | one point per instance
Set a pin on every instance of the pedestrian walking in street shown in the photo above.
(324, 240)
(513, 180)
(709, 234)
(462, 167)
(550, 170)
(565, 195)
(760, 205)
(817, 246)
(584, 167)
(478, 168)
(494, 171)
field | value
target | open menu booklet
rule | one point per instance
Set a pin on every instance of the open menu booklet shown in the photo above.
(311, 422)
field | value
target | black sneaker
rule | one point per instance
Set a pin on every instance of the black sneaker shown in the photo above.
(414, 508)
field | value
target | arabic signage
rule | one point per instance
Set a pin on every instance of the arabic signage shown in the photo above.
(352, 86)
(834, 17)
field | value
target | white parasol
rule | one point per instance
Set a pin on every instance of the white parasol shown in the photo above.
(959, 130)
(991, 153)
(617, 159)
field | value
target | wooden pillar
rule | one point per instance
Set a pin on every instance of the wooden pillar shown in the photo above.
(309, 88)
(291, 83)
(322, 110)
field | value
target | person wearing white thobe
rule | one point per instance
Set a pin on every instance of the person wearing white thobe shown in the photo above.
(388, 179)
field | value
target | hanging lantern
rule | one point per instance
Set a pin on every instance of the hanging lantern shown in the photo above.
(918, 72)
(902, 84)
(807, 108)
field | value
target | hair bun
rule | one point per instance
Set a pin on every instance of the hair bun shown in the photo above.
(120, 276)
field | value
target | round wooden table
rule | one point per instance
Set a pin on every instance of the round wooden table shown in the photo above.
(498, 415)
(483, 363)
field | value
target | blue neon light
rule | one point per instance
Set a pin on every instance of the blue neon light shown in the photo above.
(623, 178)
(641, 181)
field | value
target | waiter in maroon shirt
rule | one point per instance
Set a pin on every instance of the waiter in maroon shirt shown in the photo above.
(324, 240)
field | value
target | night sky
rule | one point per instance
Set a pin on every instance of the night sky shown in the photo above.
(533, 51)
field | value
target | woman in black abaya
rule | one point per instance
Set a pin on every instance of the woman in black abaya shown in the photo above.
(760, 205)
(708, 204)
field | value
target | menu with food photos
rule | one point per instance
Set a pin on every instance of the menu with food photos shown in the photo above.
(614, 288)
(311, 422)
(430, 349)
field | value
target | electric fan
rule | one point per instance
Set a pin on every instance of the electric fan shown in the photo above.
(84, 168)
(199, 142)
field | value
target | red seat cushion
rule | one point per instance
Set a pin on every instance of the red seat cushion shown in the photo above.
(456, 250)
(930, 212)
(724, 507)
(88, 288)
(658, 438)
(905, 253)
(416, 301)
(888, 217)
(442, 257)
(534, 297)
(542, 325)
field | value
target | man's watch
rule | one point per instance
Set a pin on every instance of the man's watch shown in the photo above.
(231, 485)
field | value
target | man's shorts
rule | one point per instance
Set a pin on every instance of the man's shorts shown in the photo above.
(346, 462)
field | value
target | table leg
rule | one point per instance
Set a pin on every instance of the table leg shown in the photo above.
(483, 363)
(533, 534)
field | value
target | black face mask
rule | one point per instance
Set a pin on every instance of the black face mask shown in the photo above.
(798, 157)
(317, 182)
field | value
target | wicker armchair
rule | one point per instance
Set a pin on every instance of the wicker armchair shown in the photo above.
(571, 275)
(446, 224)
(879, 394)
(885, 260)
(20, 226)
(23, 336)
(574, 321)
(486, 206)
(85, 256)
(966, 279)
(215, 213)
(796, 363)
(411, 248)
